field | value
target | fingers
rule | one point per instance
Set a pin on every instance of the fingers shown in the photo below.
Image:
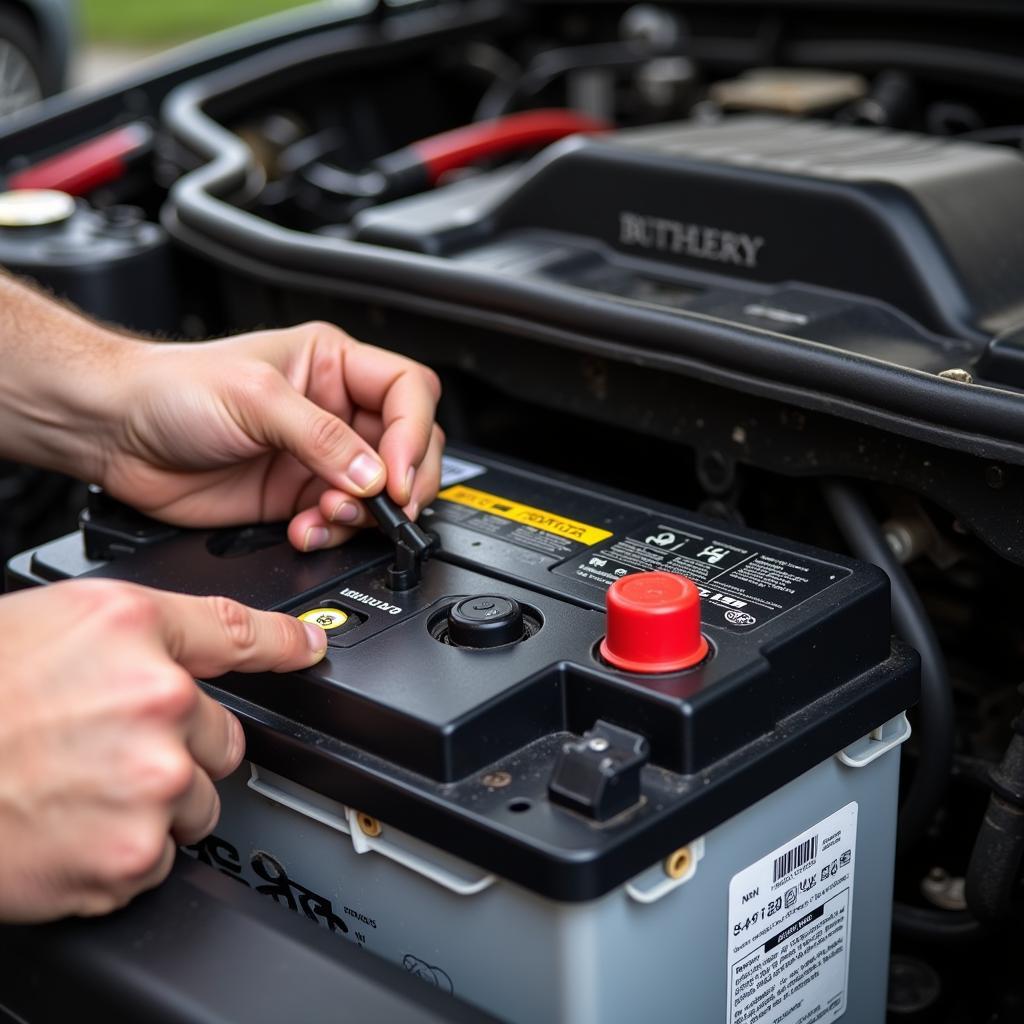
(197, 811)
(428, 477)
(273, 413)
(406, 395)
(338, 515)
(110, 888)
(311, 530)
(160, 870)
(339, 508)
(215, 738)
(209, 636)
(301, 405)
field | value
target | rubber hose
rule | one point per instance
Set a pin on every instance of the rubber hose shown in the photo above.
(995, 861)
(936, 716)
(926, 924)
(546, 67)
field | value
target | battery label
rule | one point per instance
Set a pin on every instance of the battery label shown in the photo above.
(456, 471)
(523, 525)
(789, 928)
(741, 587)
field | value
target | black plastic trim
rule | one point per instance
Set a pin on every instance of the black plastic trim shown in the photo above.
(983, 420)
(203, 949)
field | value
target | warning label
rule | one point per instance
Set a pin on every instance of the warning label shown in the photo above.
(789, 928)
(456, 471)
(512, 521)
(740, 588)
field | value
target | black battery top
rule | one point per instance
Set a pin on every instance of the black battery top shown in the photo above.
(501, 663)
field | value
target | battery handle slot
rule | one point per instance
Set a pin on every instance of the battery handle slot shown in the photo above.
(878, 742)
(451, 873)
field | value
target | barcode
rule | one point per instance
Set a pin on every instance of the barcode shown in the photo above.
(801, 854)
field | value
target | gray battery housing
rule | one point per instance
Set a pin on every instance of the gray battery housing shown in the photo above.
(533, 960)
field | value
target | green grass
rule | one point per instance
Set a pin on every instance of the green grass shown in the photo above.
(154, 22)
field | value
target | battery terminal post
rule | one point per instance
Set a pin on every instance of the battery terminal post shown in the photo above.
(413, 545)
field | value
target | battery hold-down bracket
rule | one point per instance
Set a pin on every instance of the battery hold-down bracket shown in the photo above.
(599, 775)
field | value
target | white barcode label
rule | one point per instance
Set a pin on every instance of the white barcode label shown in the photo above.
(789, 927)
(795, 858)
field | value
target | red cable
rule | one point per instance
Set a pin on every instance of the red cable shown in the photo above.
(463, 146)
(83, 168)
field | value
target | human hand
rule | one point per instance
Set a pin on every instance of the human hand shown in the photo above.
(269, 426)
(108, 748)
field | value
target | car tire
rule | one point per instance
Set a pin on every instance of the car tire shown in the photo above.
(22, 74)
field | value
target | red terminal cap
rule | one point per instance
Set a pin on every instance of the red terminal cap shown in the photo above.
(653, 623)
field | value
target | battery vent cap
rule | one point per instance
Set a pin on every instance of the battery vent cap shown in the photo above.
(653, 623)
(486, 621)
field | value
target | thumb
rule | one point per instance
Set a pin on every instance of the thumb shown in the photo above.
(323, 443)
(209, 636)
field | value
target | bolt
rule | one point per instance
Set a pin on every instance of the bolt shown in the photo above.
(899, 543)
(369, 825)
(598, 743)
(943, 890)
(995, 477)
(647, 23)
(907, 537)
(956, 374)
(496, 780)
(677, 864)
(716, 473)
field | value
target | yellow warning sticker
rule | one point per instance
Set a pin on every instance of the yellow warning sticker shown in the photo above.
(549, 522)
(325, 618)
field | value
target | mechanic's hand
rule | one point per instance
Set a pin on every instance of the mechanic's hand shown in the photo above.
(107, 746)
(274, 425)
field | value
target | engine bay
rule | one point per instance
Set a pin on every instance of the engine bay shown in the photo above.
(760, 262)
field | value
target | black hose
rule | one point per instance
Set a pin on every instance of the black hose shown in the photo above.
(546, 67)
(486, 59)
(937, 720)
(999, 849)
(926, 924)
(947, 63)
(936, 716)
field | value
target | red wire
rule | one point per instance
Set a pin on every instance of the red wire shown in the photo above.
(463, 146)
(82, 168)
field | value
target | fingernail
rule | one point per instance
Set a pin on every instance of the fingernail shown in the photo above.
(412, 510)
(344, 512)
(410, 479)
(316, 537)
(317, 637)
(236, 743)
(364, 470)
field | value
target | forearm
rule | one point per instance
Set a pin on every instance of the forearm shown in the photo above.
(61, 377)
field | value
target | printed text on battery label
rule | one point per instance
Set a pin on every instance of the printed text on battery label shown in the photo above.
(789, 927)
(777, 975)
(517, 512)
(741, 589)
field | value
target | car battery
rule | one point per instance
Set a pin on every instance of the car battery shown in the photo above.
(604, 759)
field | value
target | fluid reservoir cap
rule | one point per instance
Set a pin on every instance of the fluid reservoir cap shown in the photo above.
(653, 623)
(485, 621)
(34, 207)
